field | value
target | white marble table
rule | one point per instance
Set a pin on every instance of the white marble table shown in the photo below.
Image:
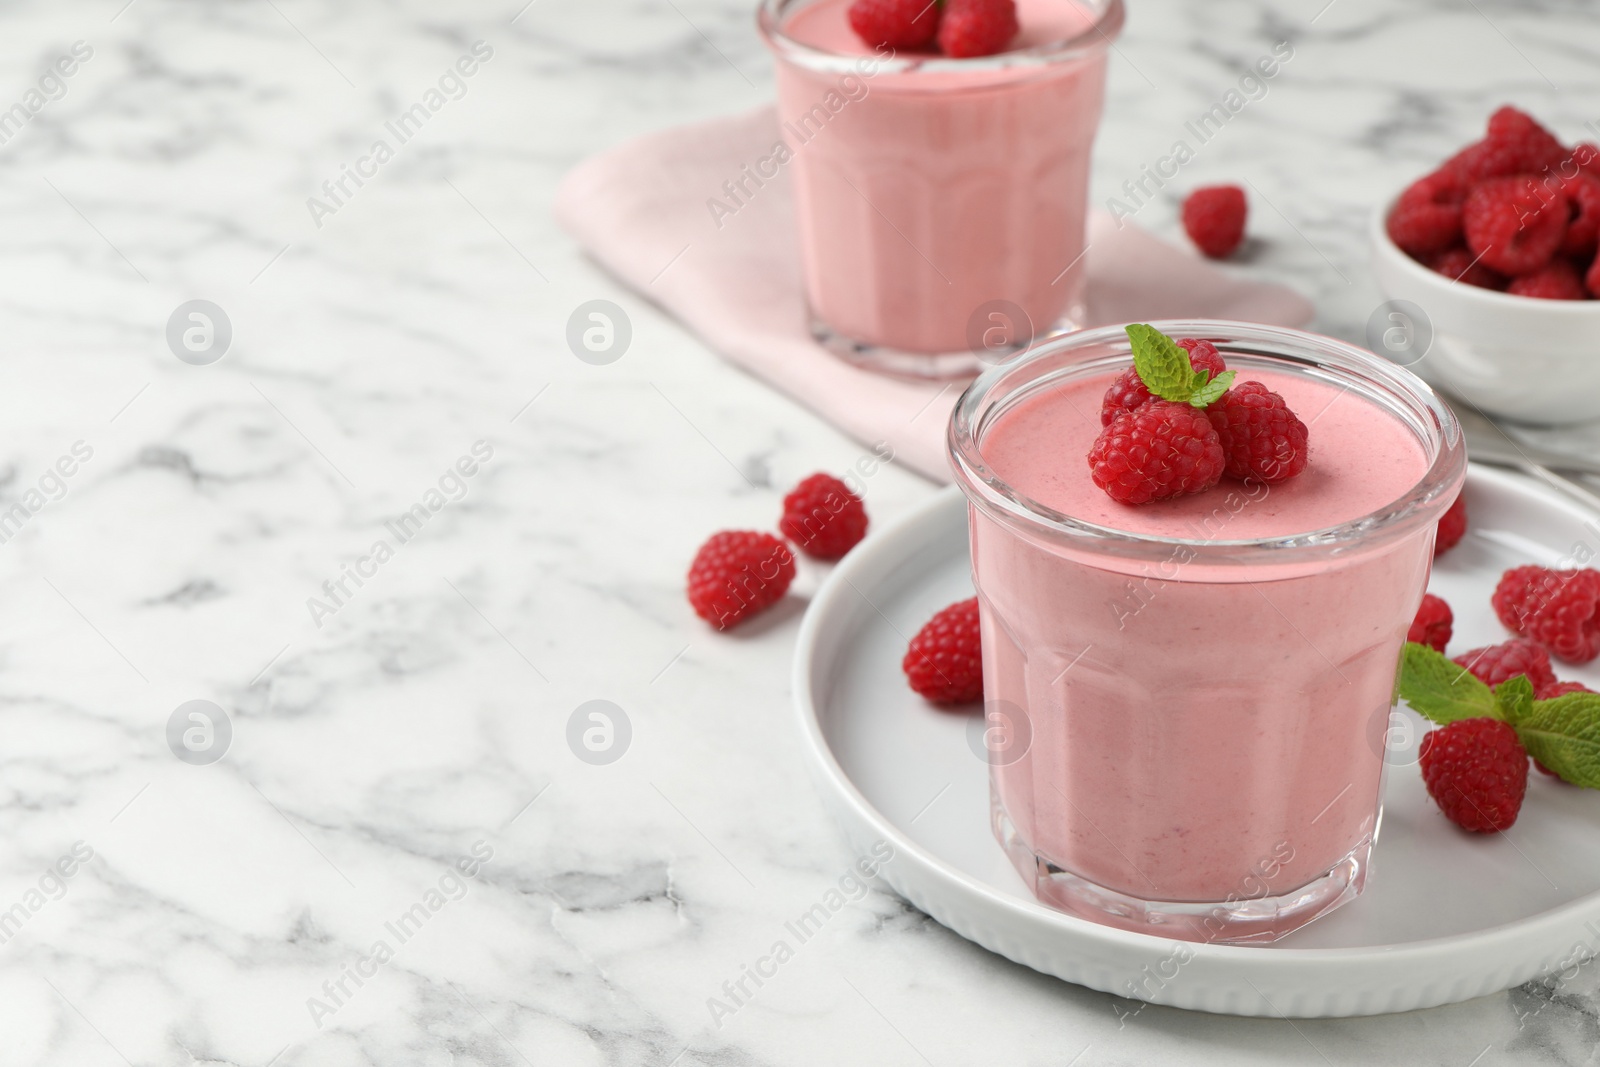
(229, 913)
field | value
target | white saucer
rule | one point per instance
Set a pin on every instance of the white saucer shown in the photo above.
(1446, 916)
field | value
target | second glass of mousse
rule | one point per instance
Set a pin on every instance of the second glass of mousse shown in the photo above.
(940, 202)
(1193, 692)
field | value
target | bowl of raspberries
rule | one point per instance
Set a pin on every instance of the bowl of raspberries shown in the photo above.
(1497, 247)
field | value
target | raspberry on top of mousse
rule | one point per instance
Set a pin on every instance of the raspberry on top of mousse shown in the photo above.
(897, 24)
(1176, 423)
(962, 29)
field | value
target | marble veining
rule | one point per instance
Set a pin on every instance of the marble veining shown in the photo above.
(231, 912)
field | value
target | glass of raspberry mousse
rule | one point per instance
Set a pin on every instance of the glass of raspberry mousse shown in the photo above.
(940, 201)
(1191, 694)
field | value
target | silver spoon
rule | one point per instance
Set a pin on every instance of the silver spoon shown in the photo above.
(1488, 443)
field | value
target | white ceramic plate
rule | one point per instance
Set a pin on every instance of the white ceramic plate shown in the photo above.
(1446, 916)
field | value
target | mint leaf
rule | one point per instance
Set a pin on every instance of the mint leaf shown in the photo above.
(1443, 691)
(1515, 696)
(1210, 392)
(1163, 366)
(1564, 735)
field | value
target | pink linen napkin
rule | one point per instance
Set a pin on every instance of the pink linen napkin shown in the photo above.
(641, 210)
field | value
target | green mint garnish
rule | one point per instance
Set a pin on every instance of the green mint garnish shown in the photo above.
(1209, 392)
(1515, 697)
(1443, 691)
(1166, 371)
(1563, 734)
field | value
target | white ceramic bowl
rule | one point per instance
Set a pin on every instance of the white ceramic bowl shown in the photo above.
(1516, 357)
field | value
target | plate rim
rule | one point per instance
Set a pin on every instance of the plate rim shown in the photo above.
(1079, 932)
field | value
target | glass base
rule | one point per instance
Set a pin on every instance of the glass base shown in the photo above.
(929, 366)
(1256, 920)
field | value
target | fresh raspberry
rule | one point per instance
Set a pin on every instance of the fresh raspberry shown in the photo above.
(737, 574)
(1514, 144)
(1452, 527)
(1496, 663)
(1162, 450)
(945, 660)
(1586, 157)
(1592, 279)
(1427, 217)
(1558, 609)
(977, 27)
(897, 24)
(1486, 159)
(1583, 195)
(823, 517)
(1461, 265)
(1477, 772)
(1203, 355)
(1536, 147)
(1214, 218)
(1433, 624)
(1261, 437)
(1514, 225)
(1556, 280)
(1128, 391)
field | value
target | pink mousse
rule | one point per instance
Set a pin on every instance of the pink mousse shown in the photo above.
(1199, 732)
(923, 196)
(1361, 459)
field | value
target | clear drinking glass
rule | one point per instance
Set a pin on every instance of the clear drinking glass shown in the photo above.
(940, 202)
(1205, 761)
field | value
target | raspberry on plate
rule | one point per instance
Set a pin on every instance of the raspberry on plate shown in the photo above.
(1514, 225)
(823, 517)
(1433, 624)
(1452, 527)
(1164, 449)
(1461, 265)
(1427, 217)
(898, 24)
(1583, 194)
(1558, 609)
(945, 660)
(1477, 772)
(1261, 438)
(1129, 393)
(737, 574)
(977, 27)
(1496, 663)
(1214, 218)
(1556, 280)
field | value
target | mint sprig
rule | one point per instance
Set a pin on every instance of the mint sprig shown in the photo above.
(1563, 734)
(1165, 369)
(1441, 690)
(1515, 697)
